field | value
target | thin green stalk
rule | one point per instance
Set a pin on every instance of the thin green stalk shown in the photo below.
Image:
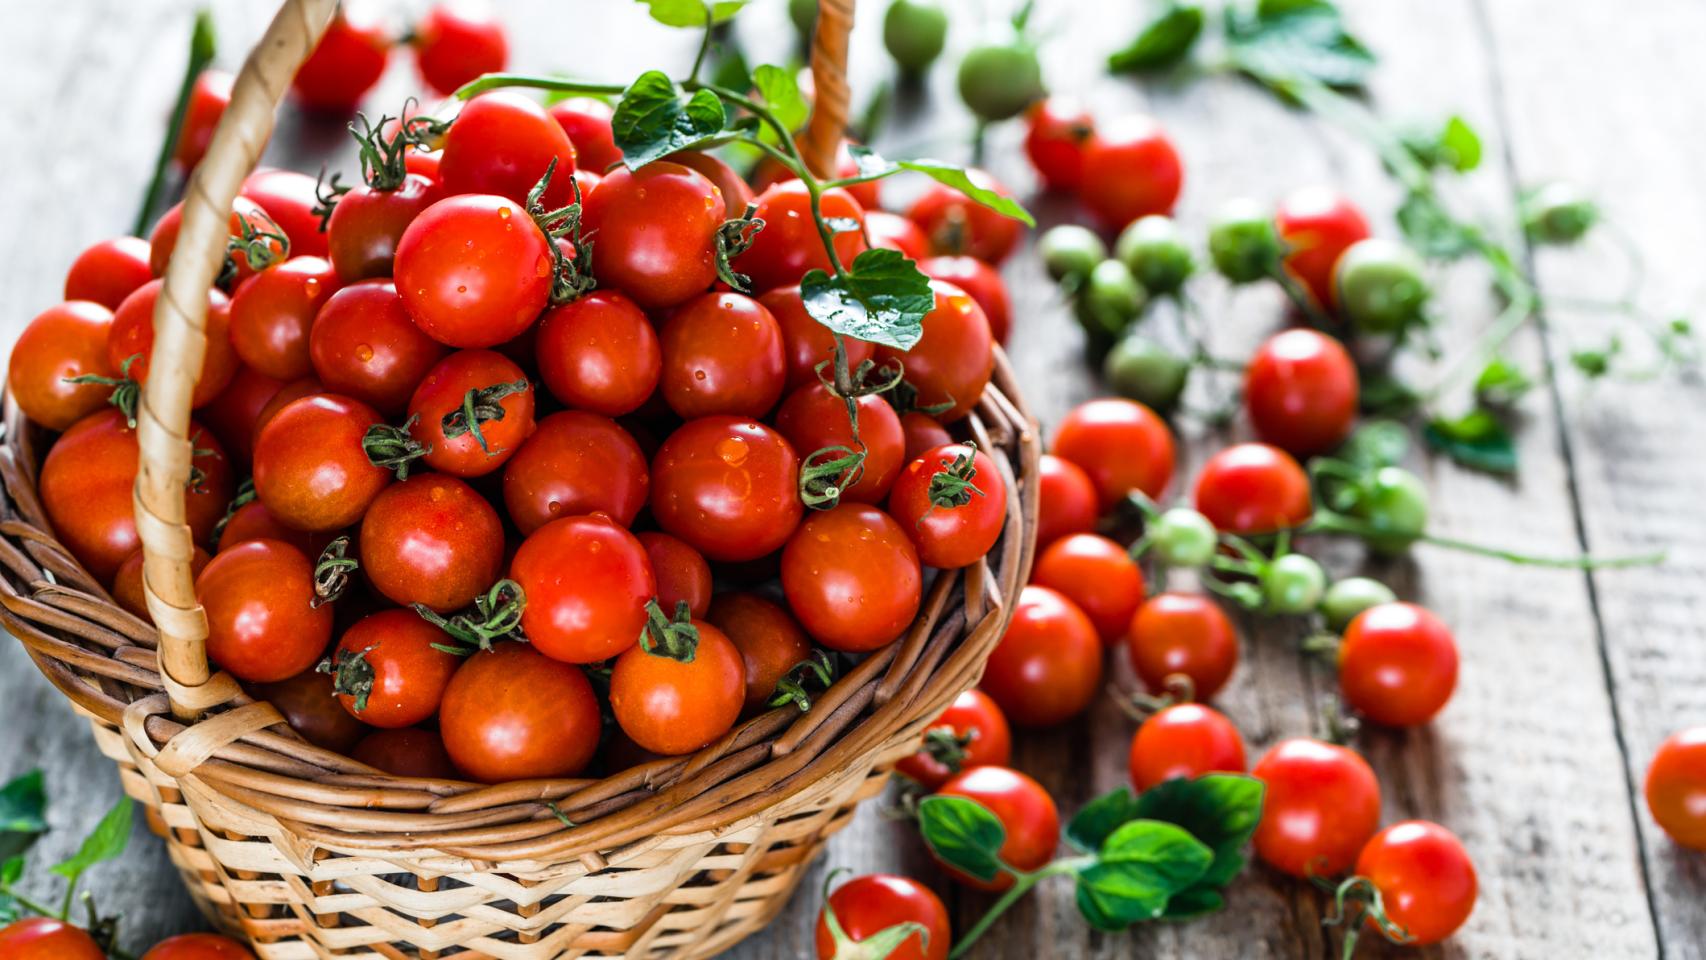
(203, 48)
(704, 44)
(1580, 562)
(1022, 884)
(494, 81)
(29, 904)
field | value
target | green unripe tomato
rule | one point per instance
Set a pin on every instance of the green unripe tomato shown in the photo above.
(1183, 537)
(915, 31)
(1140, 369)
(1395, 503)
(1110, 299)
(1070, 250)
(999, 79)
(1243, 243)
(1380, 286)
(1558, 213)
(1348, 597)
(1154, 250)
(1293, 584)
(804, 15)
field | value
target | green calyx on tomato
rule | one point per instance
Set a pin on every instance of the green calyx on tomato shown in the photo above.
(259, 242)
(734, 238)
(666, 636)
(496, 615)
(794, 686)
(127, 393)
(392, 448)
(352, 675)
(480, 405)
(332, 571)
(571, 277)
(951, 485)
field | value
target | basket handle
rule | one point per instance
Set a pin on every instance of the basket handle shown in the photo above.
(180, 340)
(829, 78)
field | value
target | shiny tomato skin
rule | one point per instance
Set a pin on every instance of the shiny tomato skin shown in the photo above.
(735, 191)
(1185, 634)
(262, 623)
(1121, 444)
(253, 521)
(951, 536)
(368, 223)
(769, 172)
(671, 707)
(813, 418)
(956, 224)
(982, 282)
(1317, 224)
(512, 713)
(599, 353)
(789, 245)
(1322, 804)
(284, 397)
(109, 271)
(575, 463)
(656, 229)
(1058, 133)
(1047, 667)
(1131, 170)
(1397, 664)
(923, 433)
(722, 354)
(1066, 500)
(587, 581)
(1426, 880)
(727, 486)
(290, 200)
(455, 43)
(852, 577)
(473, 270)
(1184, 740)
(127, 582)
(64, 341)
(1024, 808)
(431, 540)
(502, 143)
(440, 397)
(233, 414)
(681, 572)
(866, 906)
(364, 345)
(1096, 574)
(1253, 488)
(769, 639)
(954, 359)
(245, 213)
(1300, 390)
(272, 313)
(311, 709)
(310, 467)
(44, 938)
(132, 335)
(407, 674)
(406, 752)
(198, 946)
(971, 714)
(586, 122)
(347, 62)
(806, 342)
(209, 96)
(1675, 787)
(891, 231)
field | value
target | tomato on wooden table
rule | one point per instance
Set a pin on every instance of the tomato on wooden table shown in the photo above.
(957, 224)
(1131, 170)
(1426, 880)
(292, 201)
(312, 710)
(681, 573)
(512, 713)
(982, 282)
(1067, 501)
(347, 62)
(455, 43)
(952, 502)
(109, 271)
(388, 670)
(63, 342)
(1058, 133)
(599, 353)
(727, 486)
(311, 468)
(1317, 224)
(1096, 574)
(209, 96)
(575, 463)
(431, 540)
(501, 398)
(263, 623)
(1251, 488)
(814, 418)
(770, 641)
(790, 245)
(1024, 808)
(586, 122)
(678, 689)
(1047, 667)
(1675, 787)
(866, 906)
(474, 270)
(272, 313)
(1183, 634)
(891, 231)
(954, 359)
(132, 335)
(1300, 390)
(722, 353)
(44, 938)
(1121, 444)
(364, 345)
(502, 143)
(657, 230)
(1322, 804)
(1397, 664)
(1184, 740)
(806, 342)
(406, 752)
(587, 581)
(971, 732)
(852, 577)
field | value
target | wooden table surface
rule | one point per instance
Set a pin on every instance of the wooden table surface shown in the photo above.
(1569, 680)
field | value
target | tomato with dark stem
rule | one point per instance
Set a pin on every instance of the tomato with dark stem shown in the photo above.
(257, 241)
(474, 270)
(866, 906)
(952, 502)
(198, 946)
(311, 468)
(806, 342)
(363, 345)
(727, 486)
(1251, 488)
(1096, 574)
(1317, 224)
(1131, 170)
(722, 353)
(957, 224)
(44, 938)
(891, 231)
(1047, 667)
(1182, 634)
(852, 577)
(406, 752)
(263, 620)
(923, 433)
(209, 96)
(109, 271)
(472, 412)
(790, 245)
(1025, 810)
(431, 540)
(814, 418)
(1058, 133)
(1397, 664)
(312, 710)
(680, 688)
(657, 231)
(575, 463)
(971, 732)
(1300, 390)
(62, 343)
(586, 122)
(587, 581)
(455, 43)
(1675, 787)
(982, 282)
(1066, 500)
(369, 222)
(347, 62)
(1121, 444)
(768, 637)
(131, 334)
(952, 362)
(502, 143)
(599, 353)
(681, 573)
(291, 200)
(512, 713)
(1184, 740)
(389, 670)
(271, 315)
(1322, 803)
(1425, 878)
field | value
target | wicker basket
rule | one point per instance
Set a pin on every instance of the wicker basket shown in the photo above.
(309, 854)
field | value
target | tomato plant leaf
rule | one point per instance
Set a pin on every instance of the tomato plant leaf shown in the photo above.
(1279, 42)
(1431, 230)
(782, 93)
(964, 834)
(1477, 439)
(1198, 901)
(1376, 444)
(11, 871)
(1501, 383)
(656, 118)
(23, 804)
(1219, 809)
(1138, 870)
(871, 166)
(105, 842)
(882, 299)
(1164, 41)
(691, 13)
(1385, 395)
(1099, 818)
(1455, 146)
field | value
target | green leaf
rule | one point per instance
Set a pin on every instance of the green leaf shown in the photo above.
(1377, 443)
(1596, 363)
(1284, 41)
(11, 871)
(1455, 146)
(656, 118)
(1433, 231)
(1198, 901)
(1219, 809)
(731, 72)
(782, 93)
(1100, 818)
(23, 805)
(1140, 867)
(883, 299)
(1501, 383)
(964, 834)
(1382, 394)
(1477, 439)
(871, 166)
(691, 13)
(1164, 41)
(107, 841)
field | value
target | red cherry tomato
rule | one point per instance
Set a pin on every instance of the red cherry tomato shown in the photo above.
(474, 270)
(722, 353)
(1397, 664)
(262, 621)
(769, 639)
(502, 143)
(681, 573)
(43, 938)
(813, 418)
(132, 335)
(727, 486)
(388, 668)
(291, 200)
(1322, 804)
(1183, 634)
(770, 172)
(956, 224)
(346, 64)
(65, 341)
(736, 192)
(806, 342)
(657, 229)
(673, 706)
(575, 463)
(789, 245)
(1253, 488)
(891, 231)
(1047, 668)
(368, 223)
(955, 358)
(272, 313)
(511, 713)
(1317, 224)
(981, 736)
(253, 521)
(982, 282)
(233, 414)
(587, 581)
(953, 508)
(127, 582)
(502, 400)
(1024, 808)
(599, 353)
(408, 752)
(1066, 500)
(248, 219)
(431, 540)
(1131, 170)
(1184, 740)
(586, 122)
(455, 43)
(312, 710)
(109, 271)
(209, 96)
(866, 906)
(1098, 576)
(284, 397)
(1426, 880)
(852, 577)
(1301, 392)
(363, 345)
(198, 946)
(1058, 133)
(311, 469)
(1121, 444)
(1676, 787)
(923, 433)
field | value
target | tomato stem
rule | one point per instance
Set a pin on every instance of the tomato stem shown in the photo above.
(203, 48)
(332, 572)
(1328, 521)
(127, 392)
(1023, 881)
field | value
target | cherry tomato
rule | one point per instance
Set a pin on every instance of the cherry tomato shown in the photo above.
(431, 540)
(474, 270)
(87, 480)
(981, 739)
(681, 573)
(1001, 76)
(1426, 880)
(722, 353)
(891, 231)
(43, 938)
(132, 335)
(586, 122)
(599, 353)
(1155, 251)
(233, 414)
(727, 486)
(1393, 505)
(1182, 537)
(291, 200)
(1024, 808)
(1348, 597)
(209, 96)
(1322, 804)
(575, 463)
(369, 222)
(1379, 286)
(198, 946)
(65, 341)
(813, 418)
(1131, 170)
(455, 43)
(262, 623)
(388, 669)
(1071, 251)
(346, 64)
(1122, 445)
(806, 342)
(253, 521)
(408, 752)
(587, 581)
(852, 577)
(271, 314)
(363, 345)
(502, 400)
(1397, 664)
(675, 703)
(312, 710)
(957, 224)
(955, 358)
(1047, 667)
(1292, 584)
(1317, 224)
(1066, 500)
(866, 906)
(982, 282)
(286, 395)
(248, 219)
(769, 639)
(952, 502)
(1098, 576)
(1182, 634)
(657, 229)
(769, 173)
(1058, 133)
(512, 713)
(1184, 740)
(109, 271)
(502, 143)
(127, 582)
(923, 434)
(1253, 488)
(1676, 787)
(311, 469)
(789, 245)
(1301, 392)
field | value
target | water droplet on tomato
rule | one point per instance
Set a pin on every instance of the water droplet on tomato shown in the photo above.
(461, 288)
(733, 451)
(553, 508)
(363, 352)
(503, 212)
(311, 286)
(698, 374)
